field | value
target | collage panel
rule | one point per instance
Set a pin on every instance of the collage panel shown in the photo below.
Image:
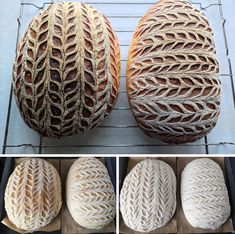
(58, 195)
(176, 195)
(174, 97)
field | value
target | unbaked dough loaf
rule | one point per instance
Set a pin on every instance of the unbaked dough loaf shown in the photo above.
(67, 70)
(90, 195)
(33, 194)
(204, 194)
(148, 196)
(172, 73)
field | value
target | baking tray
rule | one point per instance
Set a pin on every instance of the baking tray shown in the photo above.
(8, 167)
(228, 166)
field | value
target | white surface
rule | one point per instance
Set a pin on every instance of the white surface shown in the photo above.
(124, 16)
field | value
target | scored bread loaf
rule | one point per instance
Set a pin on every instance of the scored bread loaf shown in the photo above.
(148, 196)
(90, 194)
(67, 70)
(33, 194)
(204, 194)
(173, 81)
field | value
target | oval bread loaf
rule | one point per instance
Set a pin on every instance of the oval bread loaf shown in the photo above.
(172, 73)
(148, 196)
(90, 195)
(204, 194)
(67, 70)
(33, 195)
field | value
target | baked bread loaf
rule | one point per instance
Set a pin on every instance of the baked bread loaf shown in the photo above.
(67, 70)
(148, 196)
(172, 73)
(33, 195)
(90, 195)
(204, 194)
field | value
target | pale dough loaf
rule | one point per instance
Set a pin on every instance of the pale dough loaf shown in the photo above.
(90, 194)
(148, 196)
(204, 194)
(33, 194)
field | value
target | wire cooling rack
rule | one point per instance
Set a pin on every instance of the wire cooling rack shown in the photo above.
(119, 133)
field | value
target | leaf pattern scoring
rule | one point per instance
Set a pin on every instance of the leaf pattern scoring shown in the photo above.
(148, 196)
(90, 194)
(204, 194)
(66, 74)
(172, 73)
(33, 195)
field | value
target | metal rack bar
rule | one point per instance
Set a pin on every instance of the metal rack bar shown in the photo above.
(227, 51)
(121, 145)
(40, 146)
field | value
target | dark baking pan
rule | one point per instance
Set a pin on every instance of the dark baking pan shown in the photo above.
(230, 174)
(110, 163)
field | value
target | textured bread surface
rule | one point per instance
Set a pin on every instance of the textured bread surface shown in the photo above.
(204, 194)
(33, 195)
(90, 195)
(148, 196)
(67, 70)
(172, 73)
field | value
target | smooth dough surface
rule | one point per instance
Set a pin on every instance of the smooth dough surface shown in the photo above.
(33, 194)
(90, 194)
(204, 194)
(148, 196)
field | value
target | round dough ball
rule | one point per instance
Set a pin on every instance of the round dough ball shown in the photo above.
(67, 70)
(148, 196)
(90, 195)
(172, 73)
(33, 195)
(204, 194)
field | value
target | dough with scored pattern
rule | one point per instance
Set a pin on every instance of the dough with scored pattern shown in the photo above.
(204, 194)
(148, 196)
(90, 194)
(33, 194)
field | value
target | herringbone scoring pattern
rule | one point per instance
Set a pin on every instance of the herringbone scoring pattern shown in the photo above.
(33, 195)
(90, 195)
(148, 196)
(204, 194)
(67, 70)
(172, 73)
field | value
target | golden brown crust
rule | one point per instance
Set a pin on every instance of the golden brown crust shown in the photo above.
(172, 73)
(67, 70)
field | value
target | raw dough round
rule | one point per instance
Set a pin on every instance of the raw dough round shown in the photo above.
(90, 195)
(33, 194)
(148, 196)
(204, 194)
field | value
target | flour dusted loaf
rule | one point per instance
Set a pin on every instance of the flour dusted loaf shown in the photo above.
(172, 73)
(67, 70)
(33, 195)
(204, 194)
(90, 195)
(148, 196)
